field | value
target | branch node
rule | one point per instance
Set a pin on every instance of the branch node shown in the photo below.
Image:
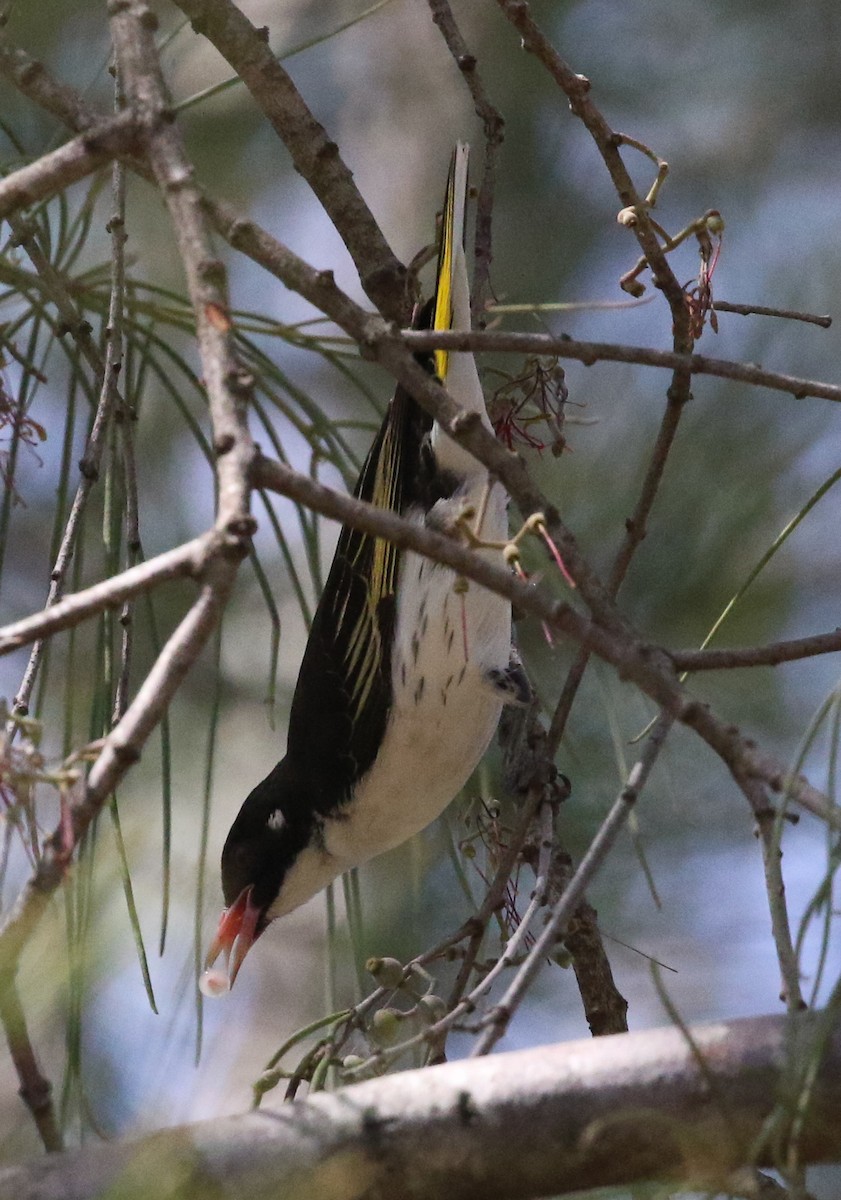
(125, 753)
(464, 422)
(149, 20)
(223, 443)
(242, 526)
(88, 469)
(327, 150)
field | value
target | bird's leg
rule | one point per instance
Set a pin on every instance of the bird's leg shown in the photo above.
(470, 525)
(536, 523)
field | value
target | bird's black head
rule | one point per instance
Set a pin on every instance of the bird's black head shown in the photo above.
(261, 846)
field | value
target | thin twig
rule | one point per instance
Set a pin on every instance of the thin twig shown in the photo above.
(493, 126)
(526, 761)
(592, 352)
(35, 1089)
(762, 310)
(315, 155)
(495, 894)
(109, 395)
(436, 1034)
(768, 833)
(496, 1021)
(577, 90)
(114, 365)
(636, 528)
(769, 655)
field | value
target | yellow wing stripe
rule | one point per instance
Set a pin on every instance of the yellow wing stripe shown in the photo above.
(364, 652)
(452, 232)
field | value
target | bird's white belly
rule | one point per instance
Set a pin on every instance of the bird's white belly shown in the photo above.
(444, 710)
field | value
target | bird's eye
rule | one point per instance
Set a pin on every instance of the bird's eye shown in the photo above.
(275, 820)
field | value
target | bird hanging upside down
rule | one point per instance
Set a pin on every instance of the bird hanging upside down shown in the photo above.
(405, 671)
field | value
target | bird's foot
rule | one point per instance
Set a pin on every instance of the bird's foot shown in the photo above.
(536, 524)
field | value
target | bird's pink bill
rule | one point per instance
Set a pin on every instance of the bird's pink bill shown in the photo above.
(235, 935)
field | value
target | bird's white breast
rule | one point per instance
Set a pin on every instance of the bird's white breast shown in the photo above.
(444, 712)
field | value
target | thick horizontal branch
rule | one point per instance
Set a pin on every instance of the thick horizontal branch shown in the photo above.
(71, 162)
(557, 1119)
(188, 559)
(593, 352)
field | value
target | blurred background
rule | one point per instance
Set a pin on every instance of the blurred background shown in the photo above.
(744, 103)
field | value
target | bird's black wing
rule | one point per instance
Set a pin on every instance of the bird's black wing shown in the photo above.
(343, 695)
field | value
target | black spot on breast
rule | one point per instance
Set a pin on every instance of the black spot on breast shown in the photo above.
(415, 647)
(419, 689)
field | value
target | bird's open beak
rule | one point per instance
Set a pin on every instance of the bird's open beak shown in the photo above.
(235, 935)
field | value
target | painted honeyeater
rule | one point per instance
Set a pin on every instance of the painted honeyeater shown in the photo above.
(404, 674)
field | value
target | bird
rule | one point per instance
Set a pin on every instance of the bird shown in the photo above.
(406, 667)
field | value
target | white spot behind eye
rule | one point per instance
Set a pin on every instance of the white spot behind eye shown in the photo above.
(275, 820)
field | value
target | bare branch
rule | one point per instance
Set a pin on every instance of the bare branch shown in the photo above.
(757, 656)
(228, 385)
(577, 89)
(493, 125)
(762, 310)
(547, 1121)
(73, 161)
(496, 1021)
(188, 559)
(315, 156)
(120, 750)
(592, 352)
(35, 1090)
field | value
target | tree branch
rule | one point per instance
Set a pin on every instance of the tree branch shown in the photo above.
(188, 559)
(593, 352)
(315, 156)
(496, 1021)
(71, 162)
(757, 656)
(548, 1121)
(493, 125)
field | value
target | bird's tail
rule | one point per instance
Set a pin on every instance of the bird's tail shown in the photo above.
(452, 248)
(451, 310)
